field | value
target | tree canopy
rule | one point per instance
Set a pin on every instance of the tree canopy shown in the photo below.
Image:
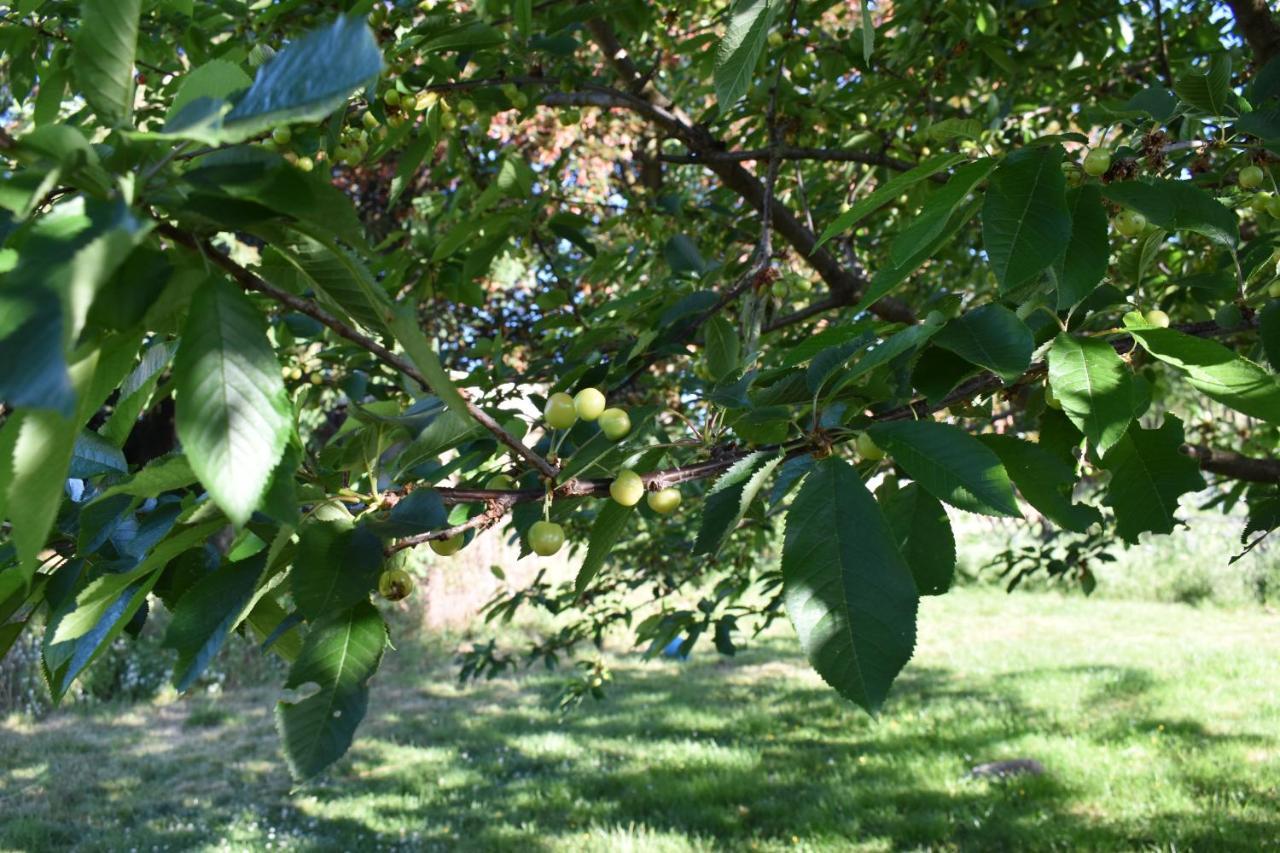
(736, 301)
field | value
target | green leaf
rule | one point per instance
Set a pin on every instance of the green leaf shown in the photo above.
(105, 46)
(847, 589)
(406, 330)
(923, 534)
(1148, 474)
(730, 498)
(940, 206)
(335, 566)
(723, 347)
(889, 277)
(159, 476)
(341, 278)
(233, 414)
(1214, 370)
(307, 80)
(740, 49)
(136, 392)
(1044, 479)
(33, 369)
(1210, 91)
(1025, 223)
(605, 532)
(104, 618)
(902, 341)
(890, 190)
(1177, 206)
(93, 455)
(420, 511)
(991, 336)
(1094, 386)
(217, 78)
(339, 657)
(1084, 262)
(446, 432)
(951, 464)
(207, 613)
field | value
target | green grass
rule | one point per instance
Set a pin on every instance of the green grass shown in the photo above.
(1159, 726)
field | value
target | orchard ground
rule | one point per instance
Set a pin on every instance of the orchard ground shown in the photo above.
(1158, 725)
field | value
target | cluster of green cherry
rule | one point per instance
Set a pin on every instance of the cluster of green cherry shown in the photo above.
(547, 537)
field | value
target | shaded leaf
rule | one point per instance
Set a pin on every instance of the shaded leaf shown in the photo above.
(233, 414)
(1025, 222)
(340, 655)
(848, 591)
(1148, 474)
(951, 464)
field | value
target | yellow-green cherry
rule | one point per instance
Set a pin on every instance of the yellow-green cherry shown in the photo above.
(1250, 177)
(448, 547)
(281, 136)
(560, 412)
(1130, 223)
(1156, 317)
(867, 448)
(1097, 162)
(545, 538)
(627, 488)
(615, 424)
(664, 501)
(589, 403)
(395, 584)
(500, 483)
(1273, 289)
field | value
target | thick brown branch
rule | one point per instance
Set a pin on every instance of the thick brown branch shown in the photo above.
(1259, 28)
(1234, 465)
(249, 281)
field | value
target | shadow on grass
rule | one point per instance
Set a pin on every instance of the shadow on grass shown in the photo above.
(723, 756)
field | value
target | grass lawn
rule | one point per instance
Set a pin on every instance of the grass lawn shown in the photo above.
(1159, 726)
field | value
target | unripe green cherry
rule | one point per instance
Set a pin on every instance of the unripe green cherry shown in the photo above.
(1250, 177)
(615, 424)
(545, 538)
(391, 98)
(306, 164)
(448, 547)
(560, 412)
(867, 448)
(370, 121)
(665, 501)
(500, 483)
(282, 136)
(589, 403)
(1097, 162)
(1130, 223)
(395, 584)
(1273, 289)
(1156, 317)
(1261, 202)
(1273, 206)
(1228, 315)
(627, 488)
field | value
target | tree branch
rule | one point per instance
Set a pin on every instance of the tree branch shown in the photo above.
(791, 152)
(1259, 28)
(249, 281)
(1226, 463)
